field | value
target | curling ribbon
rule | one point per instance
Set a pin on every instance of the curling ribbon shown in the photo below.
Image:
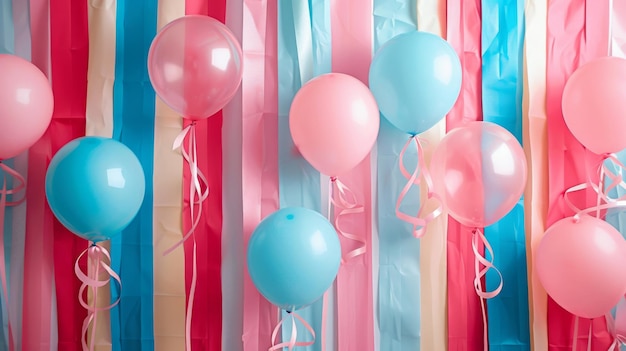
(294, 333)
(101, 262)
(420, 221)
(198, 193)
(479, 240)
(605, 174)
(4, 203)
(617, 326)
(344, 199)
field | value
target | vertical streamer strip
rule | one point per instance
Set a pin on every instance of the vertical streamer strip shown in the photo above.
(99, 122)
(169, 270)
(572, 39)
(260, 148)
(17, 227)
(433, 244)
(399, 292)
(502, 40)
(132, 320)
(203, 170)
(465, 325)
(351, 29)
(299, 182)
(48, 244)
(535, 147)
(7, 40)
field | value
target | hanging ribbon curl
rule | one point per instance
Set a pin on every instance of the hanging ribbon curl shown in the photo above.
(294, 333)
(198, 193)
(99, 262)
(481, 266)
(420, 221)
(617, 326)
(4, 203)
(344, 199)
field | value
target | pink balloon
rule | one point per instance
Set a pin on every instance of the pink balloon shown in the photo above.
(26, 105)
(479, 170)
(594, 105)
(195, 66)
(334, 122)
(581, 265)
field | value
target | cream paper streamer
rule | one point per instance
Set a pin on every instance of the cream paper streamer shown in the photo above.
(431, 17)
(536, 148)
(169, 271)
(99, 121)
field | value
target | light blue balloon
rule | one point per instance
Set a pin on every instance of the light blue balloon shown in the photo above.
(416, 80)
(293, 257)
(95, 187)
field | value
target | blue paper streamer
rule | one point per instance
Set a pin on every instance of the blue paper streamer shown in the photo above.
(132, 326)
(7, 46)
(502, 50)
(299, 182)
(399, 294)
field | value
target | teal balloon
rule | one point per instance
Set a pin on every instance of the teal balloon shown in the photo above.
(95, 187)
(293, 257)
(416, 80)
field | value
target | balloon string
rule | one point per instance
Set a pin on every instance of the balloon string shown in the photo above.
(479, 239)
(4, 203)
(198, 187)
(198, 193)
(345, 200)
(604, 201)
(99, 260)
(420, 221)
(294, 333)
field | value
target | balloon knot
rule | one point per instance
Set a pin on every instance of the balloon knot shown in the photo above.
(333, 179)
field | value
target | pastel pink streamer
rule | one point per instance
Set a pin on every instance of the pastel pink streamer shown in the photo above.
(21, 184)
(259, 152)
(100, 262)
(420, 221)
(351, 30)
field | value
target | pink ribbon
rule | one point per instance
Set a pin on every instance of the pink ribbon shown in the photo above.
(343, 198)
(198, 193)
(420, 221)
(4, 203)
(617, 326)
(479, 240)
(294, 333)
(100, 260)
(604, 201)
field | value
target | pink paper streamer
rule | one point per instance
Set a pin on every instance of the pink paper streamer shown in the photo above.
(573, 38)
(260, 152)
(351, 23)
(465, 323)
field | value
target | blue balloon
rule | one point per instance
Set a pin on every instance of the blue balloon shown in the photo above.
(95, 187)
(416, 80)
(293, 257)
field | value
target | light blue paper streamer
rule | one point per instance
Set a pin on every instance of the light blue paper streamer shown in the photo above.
(399, 296)
(132, 320)
(502, 50)
(7, 46)
(303, 50)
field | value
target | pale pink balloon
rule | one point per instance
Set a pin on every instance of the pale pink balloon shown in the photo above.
(334, 122)
(195, 66)
(581, 265)
(26, 105)
(480, 172)
(594, 105)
